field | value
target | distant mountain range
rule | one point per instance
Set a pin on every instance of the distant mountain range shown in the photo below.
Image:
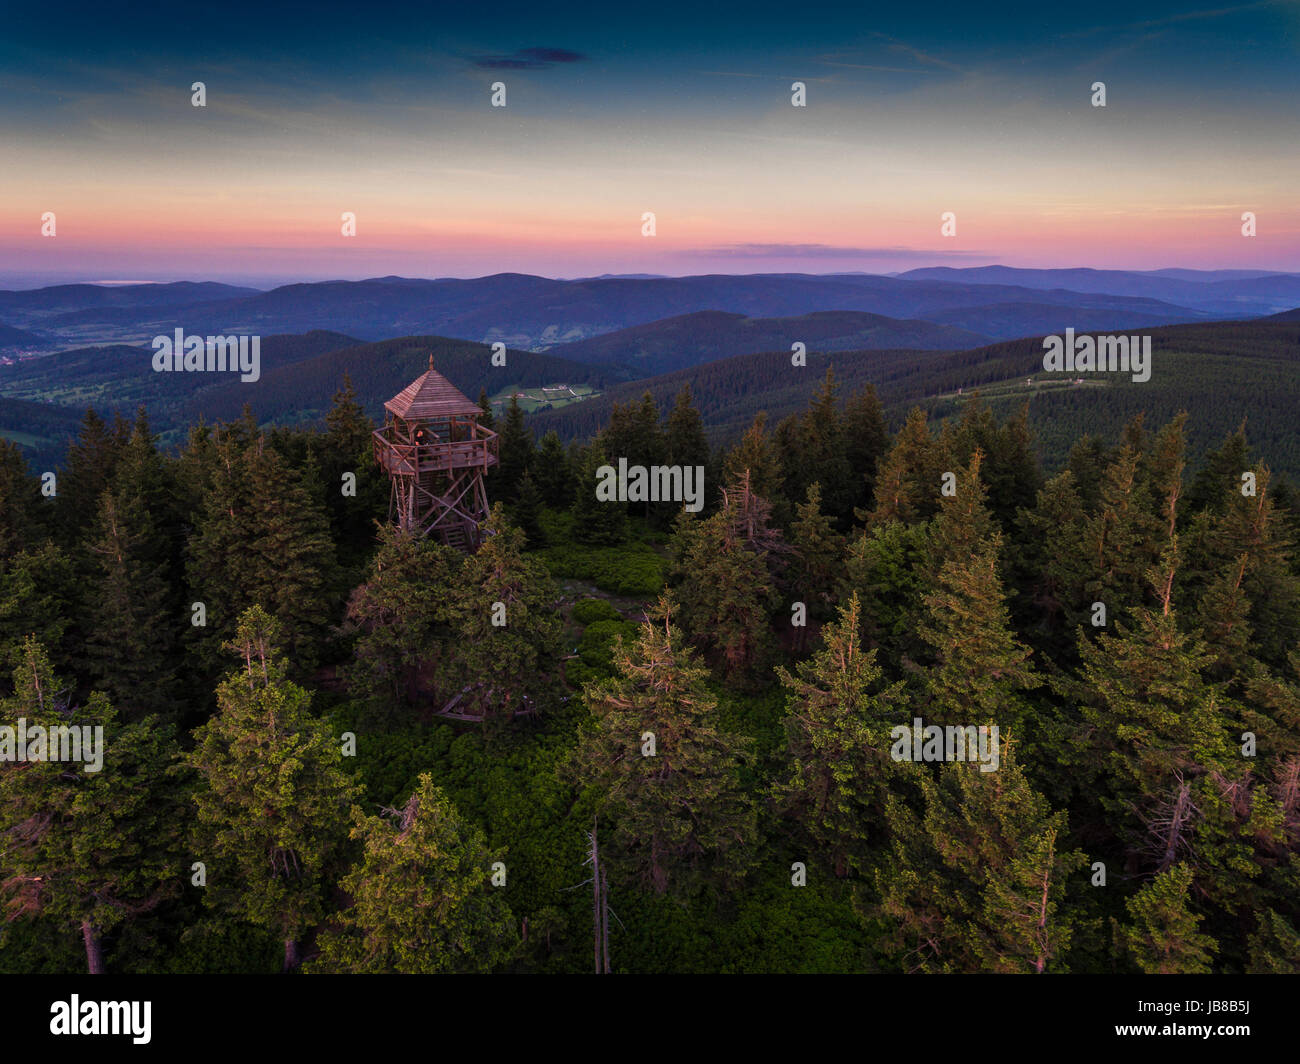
(1229, 293)
(918, 336)
(538, 313)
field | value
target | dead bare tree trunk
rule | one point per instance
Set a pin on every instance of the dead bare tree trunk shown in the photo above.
(291, 956)
(599, 908)
(94, 954)
(604, 919)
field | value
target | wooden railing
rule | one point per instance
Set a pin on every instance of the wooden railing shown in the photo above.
(405, 459)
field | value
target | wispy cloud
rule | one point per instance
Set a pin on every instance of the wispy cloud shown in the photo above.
(1180, 17)
(921, 57)
(822, 251)
(528, 59)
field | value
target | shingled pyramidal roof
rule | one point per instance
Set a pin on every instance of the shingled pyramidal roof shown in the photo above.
(430, 396)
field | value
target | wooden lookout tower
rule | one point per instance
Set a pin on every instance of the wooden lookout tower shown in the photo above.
(435, 453)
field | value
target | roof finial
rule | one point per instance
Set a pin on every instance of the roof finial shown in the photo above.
(430, 360)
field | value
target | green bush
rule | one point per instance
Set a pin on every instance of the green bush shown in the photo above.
(631, 569)
(596, 646)
(588, 611)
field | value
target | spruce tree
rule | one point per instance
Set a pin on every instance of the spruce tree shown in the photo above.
(554, 474)
(402, 614)
(818, 553)
(977, 882)
(1163, 937)
(486, 418)
(839, 713)
(421, 899)
(87, 846)
(516, 451)
(978, 669)
(756, 453)
(907, 477)
(41, 595)
(272, 801)
(262, 539)
(662, 769)
(91, 461)
(527, 511)
(866, 439)
(133, 644)
(811, 448)
(22, 517)
(344, 455)
(596, 521)
(684, 437)
(506, 632)
(727, 592)
(1150, 721)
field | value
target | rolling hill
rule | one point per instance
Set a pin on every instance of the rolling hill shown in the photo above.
(1221, 373)
(537, 313)
(304, 390)
(1226, 292)
(708, 335)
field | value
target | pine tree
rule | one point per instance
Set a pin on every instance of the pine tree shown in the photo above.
(271, 806)
(88, 846)
(838, 719)
(1163, 938)
(682, 819)
(421, 898)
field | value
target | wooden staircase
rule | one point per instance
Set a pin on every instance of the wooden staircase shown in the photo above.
(457, 536)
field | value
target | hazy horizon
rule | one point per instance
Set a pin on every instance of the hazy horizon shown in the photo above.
(20, 282)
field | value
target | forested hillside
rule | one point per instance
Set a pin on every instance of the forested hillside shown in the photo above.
(692, 339)
(691, 719)
(1224, 372)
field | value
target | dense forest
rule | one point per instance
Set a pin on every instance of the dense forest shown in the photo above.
(687, 758)
(1222, 370)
